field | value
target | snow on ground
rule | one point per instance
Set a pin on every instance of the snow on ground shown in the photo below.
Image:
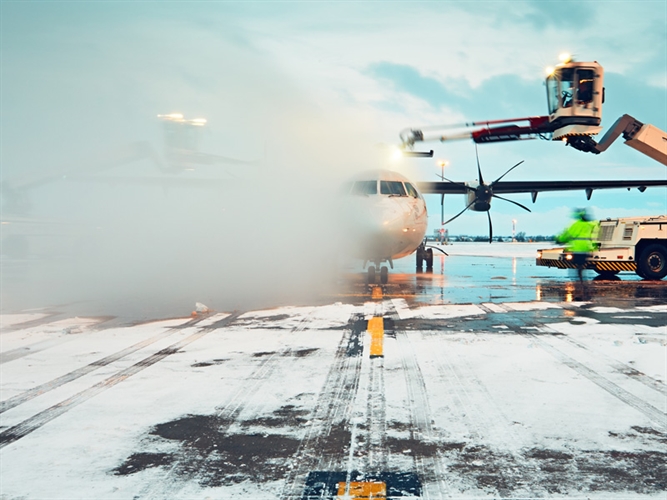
(517, 400)
(7, 320)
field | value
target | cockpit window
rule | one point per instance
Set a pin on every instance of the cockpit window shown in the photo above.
(392, 188)
(411, 190)
(365, 188)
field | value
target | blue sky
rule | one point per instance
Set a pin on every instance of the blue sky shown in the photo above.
(314, 86)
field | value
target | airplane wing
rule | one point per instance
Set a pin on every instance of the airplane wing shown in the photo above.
(535, 187)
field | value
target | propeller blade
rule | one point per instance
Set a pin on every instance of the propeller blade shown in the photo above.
(479, 169)
(490, 227)
(512, 201)
(507, 172)
(466, 208)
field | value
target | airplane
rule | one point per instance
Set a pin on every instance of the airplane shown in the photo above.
(386, 216)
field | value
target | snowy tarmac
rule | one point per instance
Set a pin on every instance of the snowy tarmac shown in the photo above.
(504, 381)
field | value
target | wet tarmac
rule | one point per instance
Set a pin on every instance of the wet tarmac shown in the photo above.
(494, 379)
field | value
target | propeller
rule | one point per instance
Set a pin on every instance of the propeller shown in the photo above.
(483, 194)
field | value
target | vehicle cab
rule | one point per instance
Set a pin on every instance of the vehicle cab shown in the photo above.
(575, 93)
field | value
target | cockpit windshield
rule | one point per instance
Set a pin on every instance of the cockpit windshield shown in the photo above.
(411, 190)
(365, 188)
(394, 188)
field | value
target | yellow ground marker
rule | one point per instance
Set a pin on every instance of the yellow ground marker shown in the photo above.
(376, 330)
(362, 490)
(376, 293)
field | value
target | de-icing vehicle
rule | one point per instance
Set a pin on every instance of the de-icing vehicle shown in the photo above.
(636, 244)
(575, 95)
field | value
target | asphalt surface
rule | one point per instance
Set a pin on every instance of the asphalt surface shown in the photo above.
(491, 379)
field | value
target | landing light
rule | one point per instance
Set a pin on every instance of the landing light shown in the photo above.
(550, 70)
(568, 256)
(397, 154)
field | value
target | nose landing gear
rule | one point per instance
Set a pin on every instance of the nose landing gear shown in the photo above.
(384, 275)
(424, 254)
(371, 275)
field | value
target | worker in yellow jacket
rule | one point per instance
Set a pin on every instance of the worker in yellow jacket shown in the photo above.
(580, 238)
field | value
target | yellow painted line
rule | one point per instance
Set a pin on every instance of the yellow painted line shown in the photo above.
(376, 330)
(362, 490)
(376, 293)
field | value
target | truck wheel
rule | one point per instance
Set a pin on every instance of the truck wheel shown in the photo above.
(653, 262)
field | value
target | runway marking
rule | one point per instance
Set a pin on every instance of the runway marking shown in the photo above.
(35, 422)
(376, 330)
(376, 293)
(362, 490)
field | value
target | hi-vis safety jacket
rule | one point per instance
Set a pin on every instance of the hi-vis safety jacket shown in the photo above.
(579, 237)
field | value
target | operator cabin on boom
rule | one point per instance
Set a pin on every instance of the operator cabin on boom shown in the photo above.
(575, 95)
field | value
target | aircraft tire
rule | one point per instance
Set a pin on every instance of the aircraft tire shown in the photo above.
(371, 275)
(420, 258)
(429, 259)
(653, 262)
(384, 275)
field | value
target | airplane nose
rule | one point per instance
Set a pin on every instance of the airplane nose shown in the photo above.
(382, 220)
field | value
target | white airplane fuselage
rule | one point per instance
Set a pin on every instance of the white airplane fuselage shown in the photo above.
(386, 216)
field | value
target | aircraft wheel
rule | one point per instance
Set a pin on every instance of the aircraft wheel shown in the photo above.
(653, 262)
(371, 275)
(420, 258)
(384, 275)
(429, 259)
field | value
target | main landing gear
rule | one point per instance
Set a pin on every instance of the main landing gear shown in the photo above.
(384, 275)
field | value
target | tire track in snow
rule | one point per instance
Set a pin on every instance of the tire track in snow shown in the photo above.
(376, 418)
(614, 364)
(44, 320)
(319, 449)
(650, 411)
(25, 396)
(618, 366)
(36, 421)
(192, 458)
(429, 469)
